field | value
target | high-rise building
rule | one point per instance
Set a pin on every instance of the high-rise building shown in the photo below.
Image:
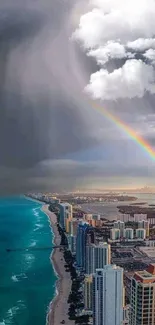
(84, 235)
(88, 216)
(88, 293)
(73, 226)
(143, 297)
(114, 234)
(67, 223)
(140, 233)
(108, 296)
(126, 217)
(91, 235)
(65, 213)
(72, 244)
(145, 225)
(97, 256)
(139, 216)
(128, 233)
(96, 216)
(98, 223)
(119, 225)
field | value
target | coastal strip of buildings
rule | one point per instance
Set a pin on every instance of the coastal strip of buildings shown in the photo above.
(104, 294)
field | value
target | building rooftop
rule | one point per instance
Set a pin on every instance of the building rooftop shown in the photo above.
(149, 251)
(146, 276)
(108, 267)
(100, 244)
(65, 204)
(119, 221)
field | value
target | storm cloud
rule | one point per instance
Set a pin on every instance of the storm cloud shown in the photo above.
(40, 114)
(51, 137)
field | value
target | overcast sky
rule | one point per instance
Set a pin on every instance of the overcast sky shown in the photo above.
(53, 65)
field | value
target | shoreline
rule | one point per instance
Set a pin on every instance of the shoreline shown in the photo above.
(34, 200)
(58, 307)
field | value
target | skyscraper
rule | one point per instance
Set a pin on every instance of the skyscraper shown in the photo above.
(119, 225)
(81, 242)
(114, 234)
(143, 297)
(144, 224)
(72, 244)
(67, 224)
(108, 296)
(140, 233)
(128, 233)
(73, 226)
(65, 213)
(88, 291)
(97, 256)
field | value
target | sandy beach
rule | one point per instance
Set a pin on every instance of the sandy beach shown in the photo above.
(59, 306)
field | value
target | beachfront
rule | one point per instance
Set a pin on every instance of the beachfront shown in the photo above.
(59, 306)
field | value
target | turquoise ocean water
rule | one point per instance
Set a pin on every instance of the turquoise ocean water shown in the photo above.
(27, 279)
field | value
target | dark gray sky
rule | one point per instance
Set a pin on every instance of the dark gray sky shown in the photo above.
(50, 136)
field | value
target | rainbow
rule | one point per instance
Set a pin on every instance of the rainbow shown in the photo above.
(139, 140)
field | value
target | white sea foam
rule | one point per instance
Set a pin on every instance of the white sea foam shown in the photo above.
(12, 312)
(36, 212)
(22, 276)
(35, 229)
(29, 257)
(21, 304)
(29, 260)
(18, 277)
(35, 209)
(39, 225)
(33, 244)
(14, 278)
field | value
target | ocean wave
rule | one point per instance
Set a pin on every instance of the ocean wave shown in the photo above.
(14, 278)
(35, 209)
(21, 304)
(29, 260)
(39, 225)
(35, 229)
(36, 212)
(12, 312)
(29, 257)
(33, 244)
(18, 277)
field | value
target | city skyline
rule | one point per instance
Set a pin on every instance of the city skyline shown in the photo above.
(111, 262)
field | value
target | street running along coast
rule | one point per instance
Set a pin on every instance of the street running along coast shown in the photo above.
(58, 309)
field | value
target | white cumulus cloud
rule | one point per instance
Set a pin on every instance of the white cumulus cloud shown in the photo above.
(111, 50)
(119, 29)
(141, 44)
(129, 81)
(150, 54)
